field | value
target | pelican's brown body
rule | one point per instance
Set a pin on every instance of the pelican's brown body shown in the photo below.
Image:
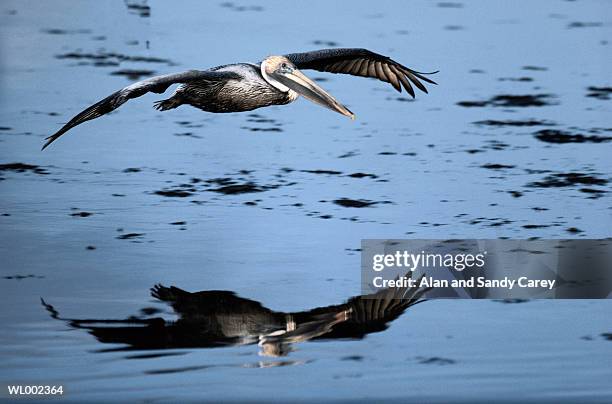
(242, 88)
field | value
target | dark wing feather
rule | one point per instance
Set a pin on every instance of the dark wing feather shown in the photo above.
(157, 84)
(362, 62)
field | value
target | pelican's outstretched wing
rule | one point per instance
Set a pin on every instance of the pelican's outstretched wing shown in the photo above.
(157, 84)
(361, 62)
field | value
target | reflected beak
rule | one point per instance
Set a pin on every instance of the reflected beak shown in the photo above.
(305, 87)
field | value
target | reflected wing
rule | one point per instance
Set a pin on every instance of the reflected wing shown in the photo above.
(367, 313)
(157, 84)
(384, 306)
(361, 62)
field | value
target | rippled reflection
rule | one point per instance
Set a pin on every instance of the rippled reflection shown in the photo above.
(211, 319)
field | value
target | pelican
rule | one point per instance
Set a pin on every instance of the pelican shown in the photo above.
(218, 318)
(277, 80)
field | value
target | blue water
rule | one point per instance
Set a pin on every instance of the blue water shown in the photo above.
(292, 248)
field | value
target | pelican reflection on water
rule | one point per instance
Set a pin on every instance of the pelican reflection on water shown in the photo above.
(210, 319)
(277, 80)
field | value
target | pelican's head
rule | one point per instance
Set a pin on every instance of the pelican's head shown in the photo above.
(281, 73)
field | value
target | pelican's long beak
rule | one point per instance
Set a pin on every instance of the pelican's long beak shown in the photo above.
(301, 84)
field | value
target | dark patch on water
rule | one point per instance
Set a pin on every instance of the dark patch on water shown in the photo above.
(229, 186)
(257, 118)
(435, 360)
(322, 42)
(44, 113)
(601, 93)
(348, 154)
(3, 128)
(607, 336)
(500, 222)
(535, 226)
(325, 172)
(474, 151)
(189, 124)
(103, 58)
(567, 180)
(362, 175)
(188, 134)
(246, 188)
(21, 277)
(523, 79)
(353, 358)
(529, 122)
(90, 247)
(491, 166)
(231, 6)
(357, 203)
(260, 119)
(509, 101)
(559, 137)
(133, 74)
(515, 194)
(58, 31)
(175, 193)
(22, 168)
(574, 230)
(132, 170)
(534, 171)
(449, 4)
(255, 129)
(491, 222)
(453, 27)
(131, 236)
(496, 145)
(579, 24)
(387, 153)
(139, 8)
(179, 223)
(535, 68)
(81, 214)
(595, 193)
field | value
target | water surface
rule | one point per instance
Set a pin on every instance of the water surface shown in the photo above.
(513, 142)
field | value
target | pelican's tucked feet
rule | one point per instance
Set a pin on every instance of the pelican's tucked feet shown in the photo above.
(165, 105)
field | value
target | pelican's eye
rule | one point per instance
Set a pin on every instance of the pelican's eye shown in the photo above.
(285, 67)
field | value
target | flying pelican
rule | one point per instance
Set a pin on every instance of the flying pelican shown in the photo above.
(277, 80)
